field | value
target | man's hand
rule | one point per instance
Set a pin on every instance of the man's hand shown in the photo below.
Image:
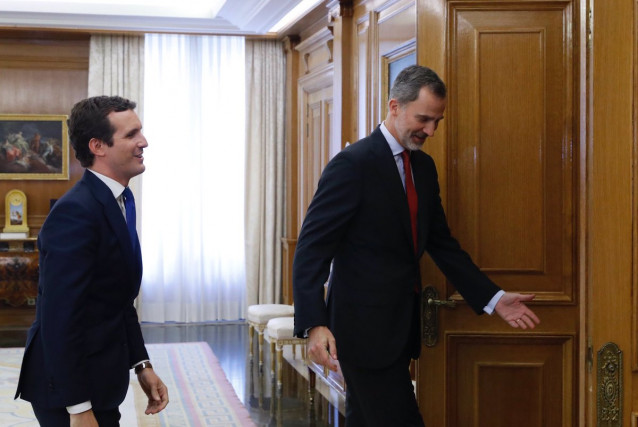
(155, 390)
(322, 348)
(512, 309)
(83, 419)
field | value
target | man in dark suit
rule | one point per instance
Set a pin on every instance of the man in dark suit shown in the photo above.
(376, 210)
(86, 335)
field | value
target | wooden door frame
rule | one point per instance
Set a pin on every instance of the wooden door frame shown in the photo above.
(584, 291)
(609, 205)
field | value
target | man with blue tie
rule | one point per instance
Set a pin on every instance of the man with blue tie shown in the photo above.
(86, 335)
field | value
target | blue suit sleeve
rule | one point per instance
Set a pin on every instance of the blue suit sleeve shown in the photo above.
(67, 251)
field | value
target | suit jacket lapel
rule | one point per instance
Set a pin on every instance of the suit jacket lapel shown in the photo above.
(390, 175)
(116, 220)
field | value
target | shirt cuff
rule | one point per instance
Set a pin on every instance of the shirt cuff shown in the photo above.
(139, 363)
(79, 408)
(489, 308)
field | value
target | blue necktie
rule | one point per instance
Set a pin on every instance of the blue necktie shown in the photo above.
(129, 205)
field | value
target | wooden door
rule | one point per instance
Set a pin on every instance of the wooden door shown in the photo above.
(507, 156)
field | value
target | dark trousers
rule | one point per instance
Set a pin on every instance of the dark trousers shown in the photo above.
(381, 397)
(59, 417)
(384, 397)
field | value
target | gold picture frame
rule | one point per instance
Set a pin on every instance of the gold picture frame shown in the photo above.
(15, 203)
(391, 65)
(34, 146)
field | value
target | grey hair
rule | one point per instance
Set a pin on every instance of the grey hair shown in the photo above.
(410, 80)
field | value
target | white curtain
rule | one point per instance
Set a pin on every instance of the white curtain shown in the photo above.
(116, 67)
(193, 205)
(265, 83)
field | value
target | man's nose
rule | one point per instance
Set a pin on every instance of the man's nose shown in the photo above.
(429, 129)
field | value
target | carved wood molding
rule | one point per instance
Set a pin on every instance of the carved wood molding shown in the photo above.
(343, 8)
(322, 39)
(634, 219)
(290, 42)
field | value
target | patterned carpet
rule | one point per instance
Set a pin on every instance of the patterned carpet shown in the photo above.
(200, 394)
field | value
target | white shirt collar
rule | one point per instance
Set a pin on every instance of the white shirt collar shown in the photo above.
(392, 142)
(115, 187)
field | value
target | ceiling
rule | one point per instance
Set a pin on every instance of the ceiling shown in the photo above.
(241, 17)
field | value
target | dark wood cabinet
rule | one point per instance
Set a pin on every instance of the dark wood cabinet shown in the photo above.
(18, 272)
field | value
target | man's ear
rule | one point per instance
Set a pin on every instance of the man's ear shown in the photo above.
(97, 147)
(393, 106)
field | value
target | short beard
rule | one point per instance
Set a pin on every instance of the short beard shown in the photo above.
(411, 146)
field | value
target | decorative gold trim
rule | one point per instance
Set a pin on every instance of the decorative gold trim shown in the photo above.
(15, 211)
(429, 317)
(609, 387)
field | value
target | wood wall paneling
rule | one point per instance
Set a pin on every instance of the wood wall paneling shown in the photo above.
(392, 33)
(396, 38)
(315, 102)
(309, 100)
(634, 332)
(42, 73)
(344, 107)
(292, 158)
(314, 114)
(612, 208)
(364, 118)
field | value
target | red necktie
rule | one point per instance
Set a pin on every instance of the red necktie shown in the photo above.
(411, 193)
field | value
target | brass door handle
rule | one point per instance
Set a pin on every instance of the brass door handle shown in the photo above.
(430, 304)
(442, 303)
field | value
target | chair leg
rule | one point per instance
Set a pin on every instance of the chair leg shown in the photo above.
(251, 337)
(260, 341)
(280, 363)
(312, 380)
(272, 359)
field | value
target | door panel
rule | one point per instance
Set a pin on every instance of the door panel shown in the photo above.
(505, 156)
(315, 127)
(514, 381)
(511, 172)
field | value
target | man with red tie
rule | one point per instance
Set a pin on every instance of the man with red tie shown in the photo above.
(377, 209)
(86, 335)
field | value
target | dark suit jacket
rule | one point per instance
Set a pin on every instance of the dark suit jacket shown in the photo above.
(86, 334)
(359, 217)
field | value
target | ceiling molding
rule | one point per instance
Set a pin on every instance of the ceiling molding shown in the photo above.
(236, 17)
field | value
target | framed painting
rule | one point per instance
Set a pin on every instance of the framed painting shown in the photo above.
(392, 64)
(34, 147)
